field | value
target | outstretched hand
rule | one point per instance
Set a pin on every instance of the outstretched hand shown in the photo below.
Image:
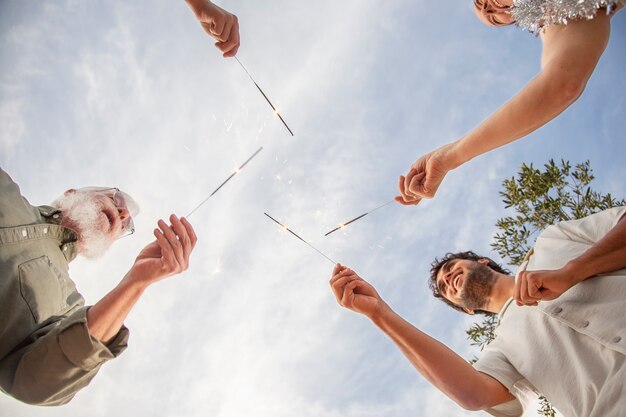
(354, 293)
(425, 176)
(168, 254)
(534, 286)
(219, 24)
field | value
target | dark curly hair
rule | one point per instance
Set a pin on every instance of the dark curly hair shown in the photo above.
(470, 256)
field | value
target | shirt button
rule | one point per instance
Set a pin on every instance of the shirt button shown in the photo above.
(558, 310)
(616, 339)
(24, 233)
(584, 324)
(45, 230)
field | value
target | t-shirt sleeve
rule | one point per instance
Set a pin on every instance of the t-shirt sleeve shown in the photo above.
(498, 367)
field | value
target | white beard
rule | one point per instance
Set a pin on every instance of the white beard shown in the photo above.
(83, 213)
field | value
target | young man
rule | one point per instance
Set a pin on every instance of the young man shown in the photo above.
(51, 345)
(564, 336)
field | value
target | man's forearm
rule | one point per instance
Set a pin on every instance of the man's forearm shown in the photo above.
(441, 366)
(606, 255)
(107, 316)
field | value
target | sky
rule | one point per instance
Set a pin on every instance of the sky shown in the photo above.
(134, 95)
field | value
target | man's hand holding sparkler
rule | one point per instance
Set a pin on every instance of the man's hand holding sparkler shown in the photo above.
(426, 174)
(354, 293)
(167, 255)
(219, 24)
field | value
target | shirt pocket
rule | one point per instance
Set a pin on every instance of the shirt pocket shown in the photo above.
(41, 288)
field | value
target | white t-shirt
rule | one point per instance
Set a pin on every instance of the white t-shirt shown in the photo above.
(572, 349)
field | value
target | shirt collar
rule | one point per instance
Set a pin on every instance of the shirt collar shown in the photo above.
(51, 214)
(68, 237)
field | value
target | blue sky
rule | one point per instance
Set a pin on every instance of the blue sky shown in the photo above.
(133, 94)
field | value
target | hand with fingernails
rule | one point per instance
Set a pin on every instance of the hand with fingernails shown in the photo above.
(219, 24)
(167, 255)
(354, 293)
(425, 175)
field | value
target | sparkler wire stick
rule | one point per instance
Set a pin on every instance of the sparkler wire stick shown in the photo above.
(296, 235)
(341, 226)
(226, 180)
(266, 99)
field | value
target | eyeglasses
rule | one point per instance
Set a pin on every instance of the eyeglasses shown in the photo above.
(117, 196)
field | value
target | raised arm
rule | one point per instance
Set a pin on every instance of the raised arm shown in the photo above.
(608, 254)
(570, 54)
(168, 255)
(442, 367)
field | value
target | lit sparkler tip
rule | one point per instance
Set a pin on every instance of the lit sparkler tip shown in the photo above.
(265, 96)
(226, 180)
(282, 226)
(343, 225)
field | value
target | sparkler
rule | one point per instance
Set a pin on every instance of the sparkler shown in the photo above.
(266, 99)
(342, 225)
(225, 181)
(282, 226)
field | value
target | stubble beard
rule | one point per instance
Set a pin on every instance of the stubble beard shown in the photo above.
(478, 285)
(82, 213)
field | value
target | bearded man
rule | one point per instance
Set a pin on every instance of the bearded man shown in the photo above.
(564, 336)
(51, 344)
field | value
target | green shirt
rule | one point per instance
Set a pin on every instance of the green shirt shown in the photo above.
(46, 352)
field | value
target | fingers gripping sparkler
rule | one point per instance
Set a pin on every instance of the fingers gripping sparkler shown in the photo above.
(282, 226)
(225, 181)
(266, 99)
(342, 225)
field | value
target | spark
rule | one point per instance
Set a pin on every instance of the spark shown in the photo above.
(282, 226)
(218, 267)
(343, 225)
(266, 99)
(226, 180)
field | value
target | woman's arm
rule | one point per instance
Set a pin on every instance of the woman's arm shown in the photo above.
(569, 57)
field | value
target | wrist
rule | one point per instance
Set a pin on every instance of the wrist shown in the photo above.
(454, 155)
(380, 315)
(197, 6)
(134, 283)
(575, 272)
